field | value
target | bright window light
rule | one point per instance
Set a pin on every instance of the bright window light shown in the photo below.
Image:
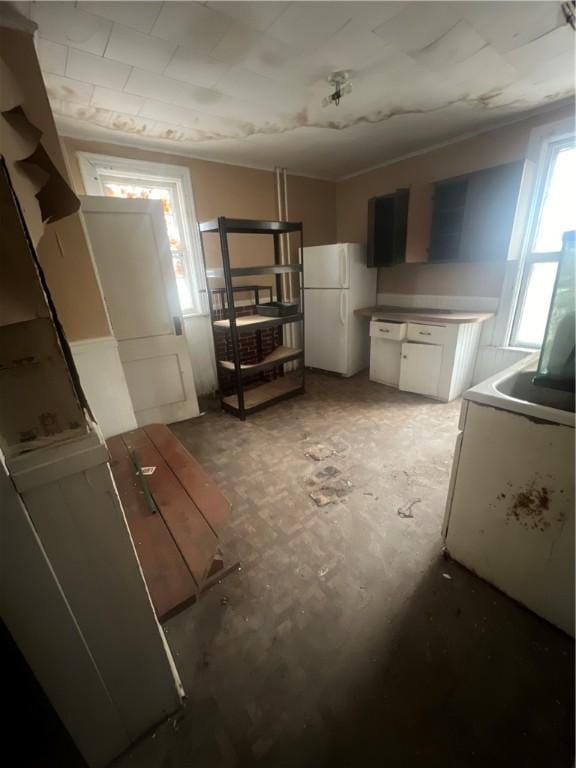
(555, 214)
(558, 214)
(537, 298)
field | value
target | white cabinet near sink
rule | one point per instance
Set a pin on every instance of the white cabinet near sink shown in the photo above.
(385, 345)
(438, 360)
(420, 368)
(431, 359)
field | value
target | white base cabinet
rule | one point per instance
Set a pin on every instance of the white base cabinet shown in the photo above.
(420, 368)
(385, 362)
(510, 510)
(428, 359)
(67, 493)
(385, 343)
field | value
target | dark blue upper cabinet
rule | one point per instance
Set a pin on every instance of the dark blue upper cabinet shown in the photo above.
(473, 215)
(387, 226)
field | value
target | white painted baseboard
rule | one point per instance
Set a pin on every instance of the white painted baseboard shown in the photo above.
(418, 300)
(104, 384)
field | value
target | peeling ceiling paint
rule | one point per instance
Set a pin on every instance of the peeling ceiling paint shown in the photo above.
(225, 80)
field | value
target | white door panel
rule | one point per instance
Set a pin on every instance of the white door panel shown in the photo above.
(135, 273)
(420, 368)
(162, 382)
(327, 266)
(134, 264)
(326, 329)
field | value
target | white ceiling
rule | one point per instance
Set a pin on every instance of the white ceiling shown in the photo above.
(243, 82)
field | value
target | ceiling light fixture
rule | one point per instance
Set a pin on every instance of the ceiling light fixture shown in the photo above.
(340, 81)
(569, 10)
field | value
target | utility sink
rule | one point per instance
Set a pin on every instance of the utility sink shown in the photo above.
(513, 390)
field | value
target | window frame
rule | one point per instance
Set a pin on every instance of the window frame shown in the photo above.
(550, 148)
(93, 166)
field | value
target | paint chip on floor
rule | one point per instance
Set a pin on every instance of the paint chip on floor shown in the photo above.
(328, 494)
(328, 471)
(319, 452)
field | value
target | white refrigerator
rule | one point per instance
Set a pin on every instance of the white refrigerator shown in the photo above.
(336, 282)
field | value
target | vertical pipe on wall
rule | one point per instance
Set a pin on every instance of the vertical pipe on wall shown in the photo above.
(290, 281)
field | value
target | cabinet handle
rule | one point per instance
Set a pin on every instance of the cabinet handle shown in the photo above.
(425, 333)
(384, 330)
(404, 357)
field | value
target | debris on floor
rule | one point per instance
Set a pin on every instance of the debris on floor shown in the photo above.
(328, 494)
(328, 471)
(406, 509)
(319, 452)
(447, 576)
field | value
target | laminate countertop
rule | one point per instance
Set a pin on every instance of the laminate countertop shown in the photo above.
(412, 315)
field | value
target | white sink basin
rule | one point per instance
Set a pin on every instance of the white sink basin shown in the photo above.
(512, 390)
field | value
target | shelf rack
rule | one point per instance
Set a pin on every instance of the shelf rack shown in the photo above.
(247, 397)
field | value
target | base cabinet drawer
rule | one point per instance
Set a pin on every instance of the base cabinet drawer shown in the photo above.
(420, 368)
(428, 334)
(383, 329)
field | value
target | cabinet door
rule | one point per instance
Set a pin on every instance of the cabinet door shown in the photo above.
(447, 219)
(420, 368)
(489, 214)
(387, 227)
(385, 361)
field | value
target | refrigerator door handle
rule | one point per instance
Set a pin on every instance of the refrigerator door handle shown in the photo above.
(342, 254)
(342, 307)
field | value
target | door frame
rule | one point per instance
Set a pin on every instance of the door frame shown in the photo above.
(92, 164)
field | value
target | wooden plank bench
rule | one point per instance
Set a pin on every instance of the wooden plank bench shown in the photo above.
(178, 546)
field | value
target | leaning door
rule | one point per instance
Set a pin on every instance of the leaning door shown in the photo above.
(134, 264)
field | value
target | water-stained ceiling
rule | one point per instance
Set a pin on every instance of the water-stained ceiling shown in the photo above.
(243, 82)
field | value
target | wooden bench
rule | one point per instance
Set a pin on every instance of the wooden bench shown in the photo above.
(177, 545)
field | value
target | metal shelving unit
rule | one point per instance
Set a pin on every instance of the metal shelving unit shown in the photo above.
(248, 397)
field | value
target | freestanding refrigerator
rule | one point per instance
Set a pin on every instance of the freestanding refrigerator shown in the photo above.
(336, 282)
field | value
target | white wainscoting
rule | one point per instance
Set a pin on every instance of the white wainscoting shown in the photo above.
(104, 384)
(422, 301)
(492, 360)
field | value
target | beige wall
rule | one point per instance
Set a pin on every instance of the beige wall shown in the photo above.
(503, 145)
(67, 263)
(231, 190)
(330, 212)
(235, 192)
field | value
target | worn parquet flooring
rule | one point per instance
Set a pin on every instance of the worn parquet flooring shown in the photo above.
(341, 642)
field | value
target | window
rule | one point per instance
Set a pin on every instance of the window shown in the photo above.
(554, 214)
(116, 177)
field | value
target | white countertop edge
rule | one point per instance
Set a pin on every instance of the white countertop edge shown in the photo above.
(486, 393)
